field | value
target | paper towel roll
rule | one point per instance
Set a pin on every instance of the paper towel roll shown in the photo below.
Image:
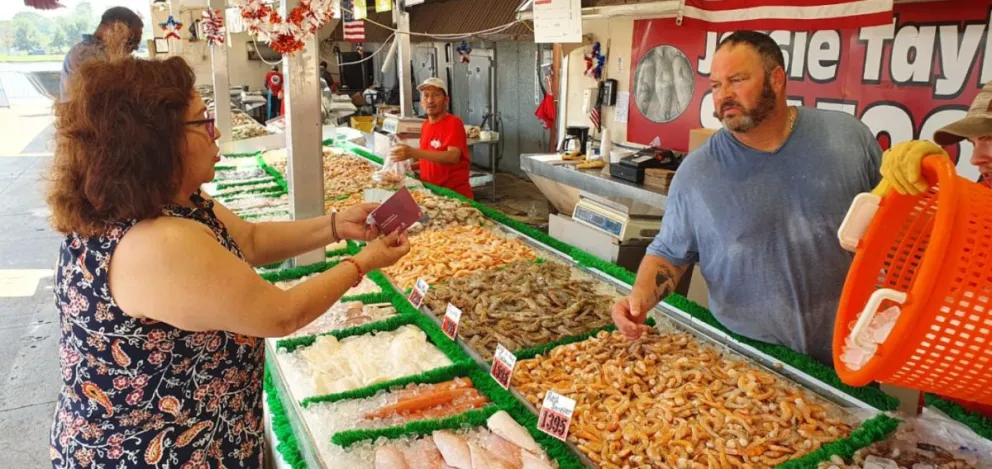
(606, 144)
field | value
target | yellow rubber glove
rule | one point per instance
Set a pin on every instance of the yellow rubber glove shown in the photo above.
(902, 165)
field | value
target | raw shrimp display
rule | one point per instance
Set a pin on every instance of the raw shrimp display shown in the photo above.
(666, 400)
(444, 211)
(522, 305)
(456, 251)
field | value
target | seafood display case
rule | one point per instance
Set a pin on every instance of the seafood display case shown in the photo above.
(376, 381)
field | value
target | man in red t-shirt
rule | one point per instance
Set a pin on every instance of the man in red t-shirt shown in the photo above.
(443, 152)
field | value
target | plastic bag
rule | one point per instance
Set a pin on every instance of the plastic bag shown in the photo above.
(392, 173)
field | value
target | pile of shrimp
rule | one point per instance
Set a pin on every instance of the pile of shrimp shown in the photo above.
(668, 401)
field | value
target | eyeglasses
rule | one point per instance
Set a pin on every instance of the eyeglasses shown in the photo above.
(209, 122)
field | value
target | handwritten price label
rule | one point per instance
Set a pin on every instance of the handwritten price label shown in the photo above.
(503, 364)
(450, 324)
(556, 415)
(419, 293)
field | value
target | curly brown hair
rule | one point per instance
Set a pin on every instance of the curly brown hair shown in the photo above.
(119, 138)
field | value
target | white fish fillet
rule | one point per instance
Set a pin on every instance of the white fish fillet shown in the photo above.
(531, 461)
(503, 425)
(388, 457)
(502, 449)
(483, 459)
(454, 449)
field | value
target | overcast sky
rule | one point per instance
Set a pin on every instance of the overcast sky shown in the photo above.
(99, 6)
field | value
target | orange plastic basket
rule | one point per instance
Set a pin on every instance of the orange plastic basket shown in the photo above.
(933, 254)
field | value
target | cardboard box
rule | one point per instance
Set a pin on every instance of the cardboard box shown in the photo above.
(659, 178)
(697, 137)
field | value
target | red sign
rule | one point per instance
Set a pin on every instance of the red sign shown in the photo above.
(904, 80)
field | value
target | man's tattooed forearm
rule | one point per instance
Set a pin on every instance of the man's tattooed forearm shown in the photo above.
(664, 282)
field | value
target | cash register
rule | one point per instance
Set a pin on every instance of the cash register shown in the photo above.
(632, 168)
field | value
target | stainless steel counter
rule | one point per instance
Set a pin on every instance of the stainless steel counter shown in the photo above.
(592, 181)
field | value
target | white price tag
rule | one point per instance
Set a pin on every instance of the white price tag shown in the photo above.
(419, 293)
(450, 324)
(556, 415)
(503, 364)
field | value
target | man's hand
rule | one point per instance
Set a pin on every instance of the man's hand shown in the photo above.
(902, 164)
(630, 313)
(401, 152)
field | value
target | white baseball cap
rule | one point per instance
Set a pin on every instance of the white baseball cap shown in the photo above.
(435, 82)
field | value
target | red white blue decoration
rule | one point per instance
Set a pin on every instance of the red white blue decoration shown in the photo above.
(213, 27)
(464, 51)
(172, 28)
(595, 60)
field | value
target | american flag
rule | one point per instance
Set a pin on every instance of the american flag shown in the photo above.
(354, 30)
(594, 113)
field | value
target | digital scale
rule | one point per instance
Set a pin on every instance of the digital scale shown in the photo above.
(612, 219)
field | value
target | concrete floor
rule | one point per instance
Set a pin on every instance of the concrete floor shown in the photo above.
(29, 373)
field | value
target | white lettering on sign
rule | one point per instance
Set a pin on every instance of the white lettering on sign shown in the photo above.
(798, 66)
(911, 60)
(958, 53)
(874, 39)
(705, 63)
(987, 65)
(824, 55)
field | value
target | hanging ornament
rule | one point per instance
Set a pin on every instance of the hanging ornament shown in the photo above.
(213, 27)
(171, 28)
(464, 51)
(44, 4)
(288, 35)
(595, 61)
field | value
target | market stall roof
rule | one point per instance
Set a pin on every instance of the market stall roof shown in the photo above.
(448, 17)
(729, 15)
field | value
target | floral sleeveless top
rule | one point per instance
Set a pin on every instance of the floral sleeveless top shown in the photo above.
(141, 393)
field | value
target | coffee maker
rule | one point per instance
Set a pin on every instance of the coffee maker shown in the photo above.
(575, 140)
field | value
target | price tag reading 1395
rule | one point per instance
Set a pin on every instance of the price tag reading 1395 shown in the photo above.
(503, 364)
(419, 293)
(556, 415)
(450, 323)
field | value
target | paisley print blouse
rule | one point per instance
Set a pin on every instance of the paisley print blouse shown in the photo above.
(141, 393)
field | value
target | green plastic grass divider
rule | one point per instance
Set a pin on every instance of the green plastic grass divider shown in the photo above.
(380, 279)
(804, 363)
(369, 298)
(289, 447)
(543, 349)
(297, 272)
(225, 167)
(338, 253)
(873, 430)
(385, 325)
(272, 172)
(274, 189)
(472, 418)
(358, 150)
(437, 375)
(238, 183)
(353, 248)
(255, 216)
(273, 266)
(241, 155)
(978, 423)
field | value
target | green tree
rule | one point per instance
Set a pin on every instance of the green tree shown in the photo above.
(7, 30)
(26, 36)
(59, 41)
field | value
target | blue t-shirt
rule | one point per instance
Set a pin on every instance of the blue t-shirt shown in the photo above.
(89, 48)
(763, 226)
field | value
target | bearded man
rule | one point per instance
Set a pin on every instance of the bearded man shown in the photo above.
(758, 207)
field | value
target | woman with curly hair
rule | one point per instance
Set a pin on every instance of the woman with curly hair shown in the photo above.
(161, 312)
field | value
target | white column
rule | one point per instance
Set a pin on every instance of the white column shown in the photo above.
(222, 81)
(403, 62)
(303, 134)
